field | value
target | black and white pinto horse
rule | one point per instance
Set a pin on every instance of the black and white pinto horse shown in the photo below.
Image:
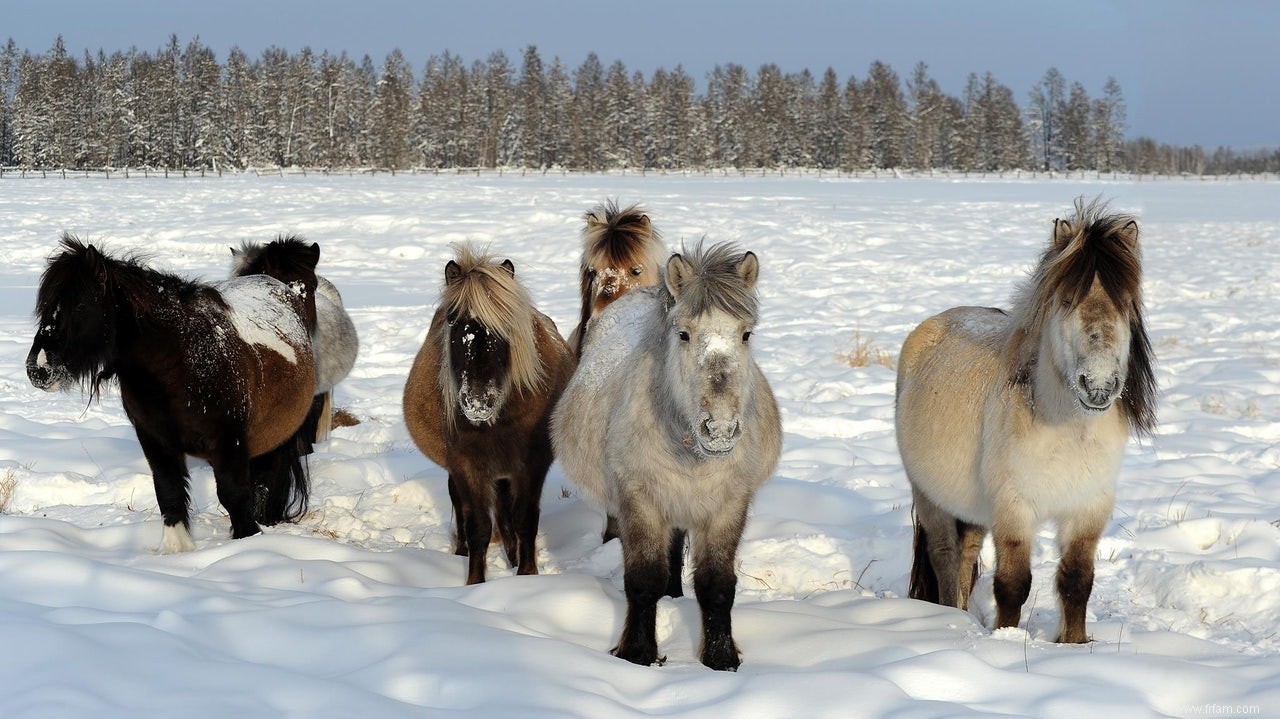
(223, 372)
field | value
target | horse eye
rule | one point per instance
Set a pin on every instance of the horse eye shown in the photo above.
(451, 317)
(746, 336)
(684, 336)
(635, 271)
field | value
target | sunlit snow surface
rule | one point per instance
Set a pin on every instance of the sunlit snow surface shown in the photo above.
(358, 609)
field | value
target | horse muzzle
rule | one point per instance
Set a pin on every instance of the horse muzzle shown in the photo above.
(42, 374)
(717, 438)
(1095, 396)
(480, 408)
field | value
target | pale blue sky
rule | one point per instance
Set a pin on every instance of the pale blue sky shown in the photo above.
(1193, 72)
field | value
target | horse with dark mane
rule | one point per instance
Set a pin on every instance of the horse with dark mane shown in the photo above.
(223, 372)
(478, 400)
(292, 261)
(1006, 420)
(670, 425)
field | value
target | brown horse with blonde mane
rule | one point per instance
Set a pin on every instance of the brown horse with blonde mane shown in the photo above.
(478, 400)
(621, 250)
(1007, 420)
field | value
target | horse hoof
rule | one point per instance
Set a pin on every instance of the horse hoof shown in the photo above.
(246, 531)
(643, 657)
(722, 656)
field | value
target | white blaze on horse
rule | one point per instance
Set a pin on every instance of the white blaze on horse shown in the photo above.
(670, 426)
(1006, 420)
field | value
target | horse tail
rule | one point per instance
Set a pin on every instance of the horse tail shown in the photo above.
(923, 583)
(321, 416)
(583, 318)
(281, 480)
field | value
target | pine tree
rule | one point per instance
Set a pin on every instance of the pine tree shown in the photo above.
(621, 120)
(8, 88)
(390, 113)
(887, 117)
(1044, 118)
(1077, 134)
(531, 111)
(588, 114)
(926, 118)
(829, 130)
(557, 127)
(496, 111)
(1109, 127)
(728, 122)
(855, 123)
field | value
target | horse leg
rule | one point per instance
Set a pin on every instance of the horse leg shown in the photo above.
(1013, 570)
(645, 536)
(504, 512)
(714, 583)
(231, 476)
(1078, 542)
(971, 537)
(610, 529)
(169, 475)
(675, 564)
(475, 498)
(935, 542)
(459, 518)
(528, 505)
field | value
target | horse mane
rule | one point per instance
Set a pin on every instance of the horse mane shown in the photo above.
(488, 292)
(622, 237)
(79, 268)
(1091, 243)
(289, 253)
(713, 282)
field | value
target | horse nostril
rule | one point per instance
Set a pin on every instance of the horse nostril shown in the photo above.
(1083, 380)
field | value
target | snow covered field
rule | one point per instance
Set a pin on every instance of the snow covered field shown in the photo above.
(358, 609)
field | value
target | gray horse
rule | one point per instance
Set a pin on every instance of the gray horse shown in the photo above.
(670, 426)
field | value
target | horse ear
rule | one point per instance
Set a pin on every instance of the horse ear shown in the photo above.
(510, 267)
(678, 271)
(749, 269)
(1129, 234)
(93, 256)
(1062, 233)
(313, 255)
(452, 272)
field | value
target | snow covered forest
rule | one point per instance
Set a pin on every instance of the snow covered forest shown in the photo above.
(181, 108)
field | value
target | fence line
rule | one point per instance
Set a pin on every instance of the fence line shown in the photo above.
(1080, 175)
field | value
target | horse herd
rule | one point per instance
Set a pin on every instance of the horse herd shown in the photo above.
(654, 406)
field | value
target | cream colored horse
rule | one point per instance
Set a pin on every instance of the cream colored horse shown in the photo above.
(1006, 420)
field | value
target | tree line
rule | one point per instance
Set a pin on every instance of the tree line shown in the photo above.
(179, 107)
